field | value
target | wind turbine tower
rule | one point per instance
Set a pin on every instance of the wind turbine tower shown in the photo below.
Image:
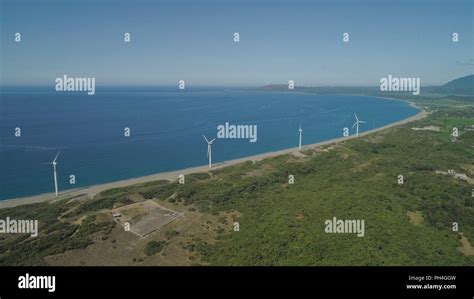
(55, 174)
(356, 124)
(301, 135)
(209, 150)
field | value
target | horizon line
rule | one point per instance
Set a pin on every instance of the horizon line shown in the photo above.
(208, 85)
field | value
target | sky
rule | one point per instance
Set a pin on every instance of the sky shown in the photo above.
(193, 41)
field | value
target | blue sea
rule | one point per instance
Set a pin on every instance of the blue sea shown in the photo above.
(166, 131)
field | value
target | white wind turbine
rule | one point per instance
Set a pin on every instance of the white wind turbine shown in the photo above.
(55, 175)
(301, 135)
(209, 151)
(356, 124)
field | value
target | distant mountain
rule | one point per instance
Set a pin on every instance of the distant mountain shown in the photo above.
(464, 85)
(323, 89)
(461, 87)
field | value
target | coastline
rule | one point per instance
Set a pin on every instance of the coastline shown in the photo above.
(93, 190)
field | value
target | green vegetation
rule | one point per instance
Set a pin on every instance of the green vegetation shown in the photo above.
(100, 203)
(54, 235)
(153, 247)
(284, 224)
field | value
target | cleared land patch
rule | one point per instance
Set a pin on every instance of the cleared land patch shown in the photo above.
(144, 217)
(415, 217)
(466, 247)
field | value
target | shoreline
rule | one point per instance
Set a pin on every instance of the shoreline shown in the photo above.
(93, 190)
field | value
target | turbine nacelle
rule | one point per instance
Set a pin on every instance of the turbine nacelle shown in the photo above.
(358, 121)
(208, 142)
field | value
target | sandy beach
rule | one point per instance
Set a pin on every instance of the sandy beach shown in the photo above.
(173, 175)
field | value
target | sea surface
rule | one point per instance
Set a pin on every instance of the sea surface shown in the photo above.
(166, 131)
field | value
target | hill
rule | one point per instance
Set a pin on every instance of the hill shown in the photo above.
(464, 85)
(461, 86)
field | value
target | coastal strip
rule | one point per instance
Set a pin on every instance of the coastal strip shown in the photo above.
(93, 190)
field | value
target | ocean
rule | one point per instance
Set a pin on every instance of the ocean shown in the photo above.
(166, 129)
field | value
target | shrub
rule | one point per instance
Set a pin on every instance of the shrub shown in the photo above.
(154, 247)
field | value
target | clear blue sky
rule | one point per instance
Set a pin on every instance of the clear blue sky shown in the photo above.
(193, 41)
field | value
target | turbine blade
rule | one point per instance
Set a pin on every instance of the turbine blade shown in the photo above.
(354, 124)
(205, 138)
(362, 122)
(57, 155)
(212, 141)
